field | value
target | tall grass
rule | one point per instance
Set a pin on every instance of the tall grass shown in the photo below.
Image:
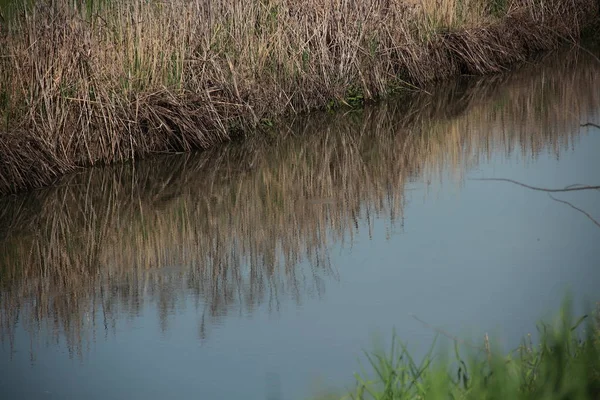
(563, 364)
(249, 226)
(95, 82)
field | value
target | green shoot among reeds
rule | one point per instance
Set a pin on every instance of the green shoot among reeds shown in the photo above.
(564, 364)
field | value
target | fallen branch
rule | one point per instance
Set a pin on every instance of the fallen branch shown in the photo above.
(570, 188)
(591, 124)
(575, 208)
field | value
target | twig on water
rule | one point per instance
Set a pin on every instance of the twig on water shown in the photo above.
(575, 208)
(591, 124)
(570, 188)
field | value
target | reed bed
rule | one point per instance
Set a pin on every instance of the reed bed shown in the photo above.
(250, 225)
(96, 82)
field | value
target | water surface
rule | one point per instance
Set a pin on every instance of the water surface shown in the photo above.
(261, 270)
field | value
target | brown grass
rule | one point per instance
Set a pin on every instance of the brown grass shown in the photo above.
(82, 86)
(250, 225)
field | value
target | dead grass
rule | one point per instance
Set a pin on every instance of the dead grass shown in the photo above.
(82, 86)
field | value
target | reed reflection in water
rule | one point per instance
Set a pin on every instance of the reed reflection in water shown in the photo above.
(252, 225)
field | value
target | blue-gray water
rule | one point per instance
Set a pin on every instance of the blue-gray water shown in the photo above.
(262, 270)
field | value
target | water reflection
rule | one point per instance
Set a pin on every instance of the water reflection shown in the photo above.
(252, 225)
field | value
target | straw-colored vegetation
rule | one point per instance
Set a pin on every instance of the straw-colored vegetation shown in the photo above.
(249, 225)
(92, 82)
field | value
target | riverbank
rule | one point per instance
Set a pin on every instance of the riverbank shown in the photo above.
(563, 363)
(113, 81)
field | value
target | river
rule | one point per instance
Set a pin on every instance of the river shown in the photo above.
(262, 269)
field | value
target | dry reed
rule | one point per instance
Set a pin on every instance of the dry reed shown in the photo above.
(96, 82)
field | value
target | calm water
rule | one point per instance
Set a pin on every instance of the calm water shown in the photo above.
(261, 271)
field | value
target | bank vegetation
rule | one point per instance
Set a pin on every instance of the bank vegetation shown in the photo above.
(94, 82)
(563, 362)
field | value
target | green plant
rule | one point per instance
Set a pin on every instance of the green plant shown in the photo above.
(354, 97)
(498, 8)
(565, 364)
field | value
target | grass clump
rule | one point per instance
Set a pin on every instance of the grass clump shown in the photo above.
(565, 364)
